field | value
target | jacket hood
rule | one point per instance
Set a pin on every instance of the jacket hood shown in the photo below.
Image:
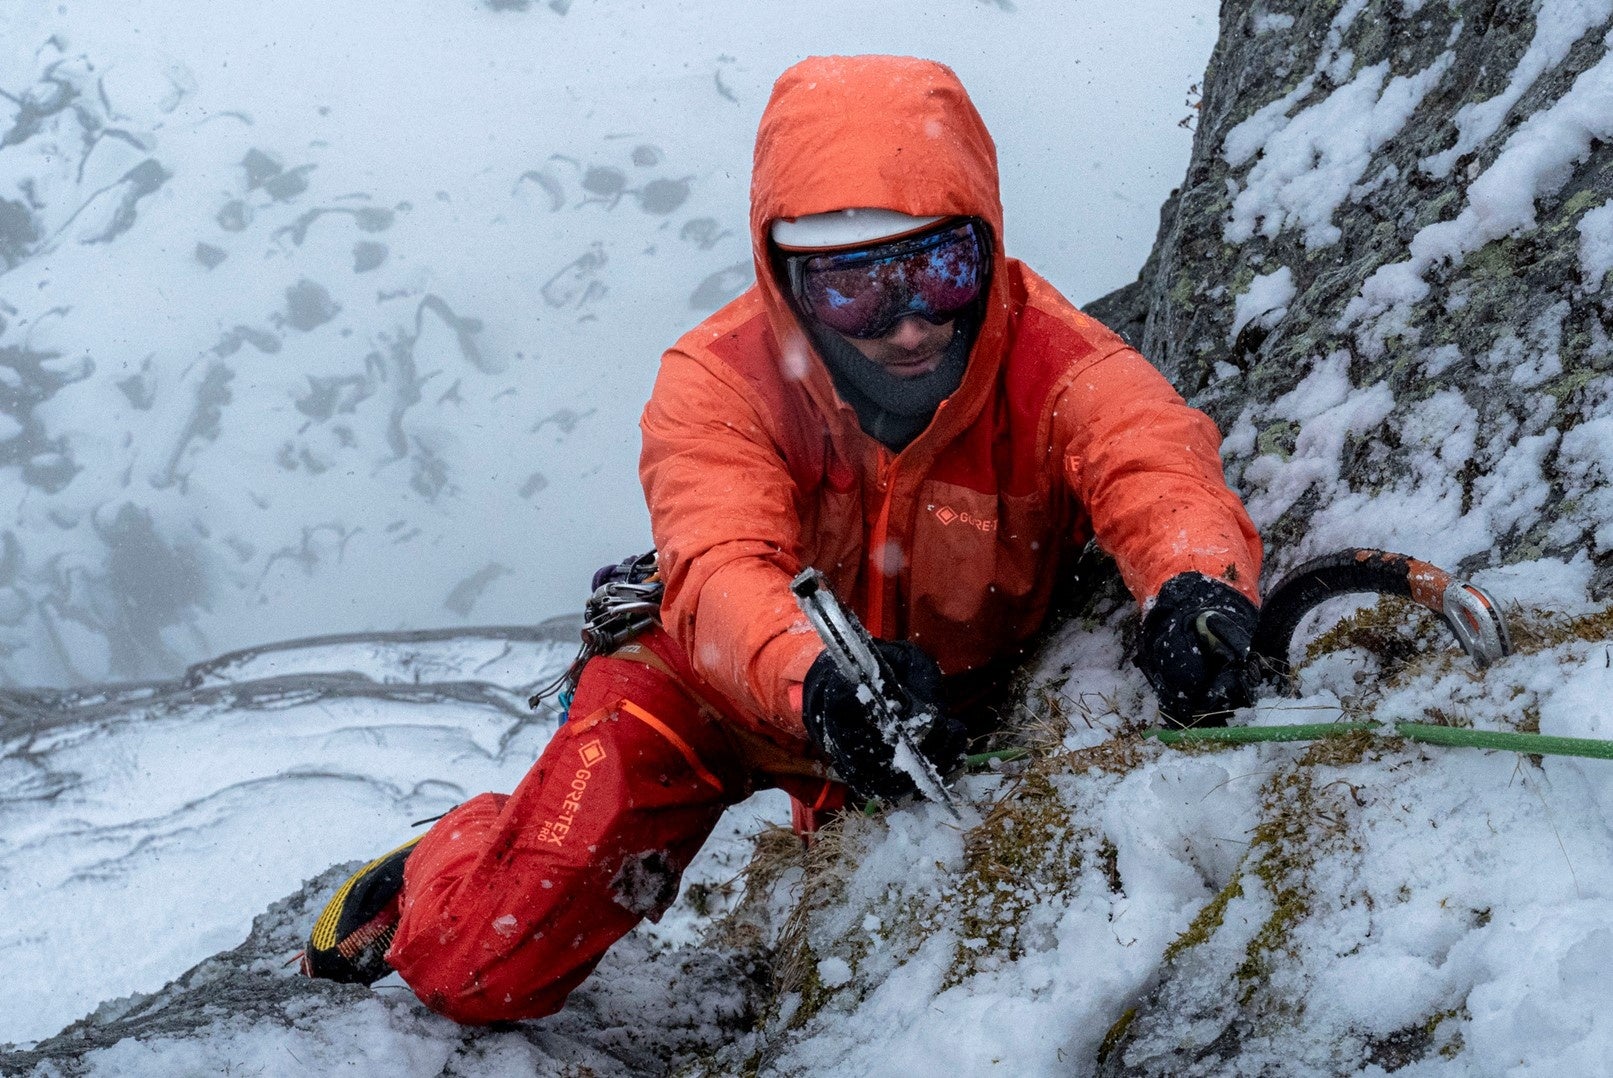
(885, 132)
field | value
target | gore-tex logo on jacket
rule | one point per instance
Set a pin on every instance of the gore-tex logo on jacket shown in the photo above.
(555, 831)
(948, 515)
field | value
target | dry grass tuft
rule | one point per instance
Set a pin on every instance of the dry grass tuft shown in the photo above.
(774, 852)
(826, 869)
(1396, 630)
(1536, 629)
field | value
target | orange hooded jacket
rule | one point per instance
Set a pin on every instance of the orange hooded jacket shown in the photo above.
(753, 467)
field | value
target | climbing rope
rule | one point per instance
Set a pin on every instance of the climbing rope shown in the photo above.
(1427, 733)
(979, 760)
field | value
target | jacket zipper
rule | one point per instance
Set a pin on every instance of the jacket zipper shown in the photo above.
(878, 582)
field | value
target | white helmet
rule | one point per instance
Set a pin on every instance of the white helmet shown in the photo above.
(845, 228)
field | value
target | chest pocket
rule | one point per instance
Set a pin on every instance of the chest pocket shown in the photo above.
(982, 571)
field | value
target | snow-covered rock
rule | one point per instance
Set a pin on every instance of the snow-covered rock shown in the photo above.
(143, 826)
(1385, 276)
(647, 1009)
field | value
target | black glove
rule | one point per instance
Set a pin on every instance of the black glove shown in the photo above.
(1194, 649)
(843, 728)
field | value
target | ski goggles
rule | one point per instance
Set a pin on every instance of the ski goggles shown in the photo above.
(863, 293)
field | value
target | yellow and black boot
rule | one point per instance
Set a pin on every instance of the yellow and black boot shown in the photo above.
(350, 940)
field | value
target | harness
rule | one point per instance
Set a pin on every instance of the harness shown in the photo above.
(625, 602)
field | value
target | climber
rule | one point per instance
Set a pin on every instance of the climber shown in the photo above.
(898, 404)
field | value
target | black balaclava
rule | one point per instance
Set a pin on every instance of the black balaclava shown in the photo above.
(892, 410)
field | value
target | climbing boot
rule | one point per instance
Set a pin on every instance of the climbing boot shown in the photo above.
(350, 940)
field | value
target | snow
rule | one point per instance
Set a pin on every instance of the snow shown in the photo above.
(1246, 140)
(834, 972)
(1558, 25)
(1486, 883)
(1596, 246)
(1265, 302)
(146, 829)
(1328, 410)
(1533, 163)
(376, 1040)
(1310, 163)
(1587, 456)
(172, 818)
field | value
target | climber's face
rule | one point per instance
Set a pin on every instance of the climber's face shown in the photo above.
(910, 348)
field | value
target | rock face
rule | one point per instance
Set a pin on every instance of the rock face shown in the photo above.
(1385, 275)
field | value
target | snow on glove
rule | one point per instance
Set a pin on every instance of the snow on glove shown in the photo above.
(1194, 649)
(843, 728)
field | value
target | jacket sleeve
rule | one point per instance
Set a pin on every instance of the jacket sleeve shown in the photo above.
(723, 514)
(1147, 467)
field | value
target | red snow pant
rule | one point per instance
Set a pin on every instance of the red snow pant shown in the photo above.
(509, 902)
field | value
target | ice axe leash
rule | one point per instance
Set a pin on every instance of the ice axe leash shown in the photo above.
(901, 721)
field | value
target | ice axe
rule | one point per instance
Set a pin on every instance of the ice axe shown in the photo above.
(901, 721)
(1472, 616)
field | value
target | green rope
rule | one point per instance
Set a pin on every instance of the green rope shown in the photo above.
(1538, 744)
(1310, 731)
(1455, 736)
(983, 759)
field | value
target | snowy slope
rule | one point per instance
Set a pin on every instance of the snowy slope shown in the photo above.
(144, 829)
(1362, 907)
(293, 293)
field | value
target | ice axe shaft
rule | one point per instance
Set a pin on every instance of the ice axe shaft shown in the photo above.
(899, 719)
